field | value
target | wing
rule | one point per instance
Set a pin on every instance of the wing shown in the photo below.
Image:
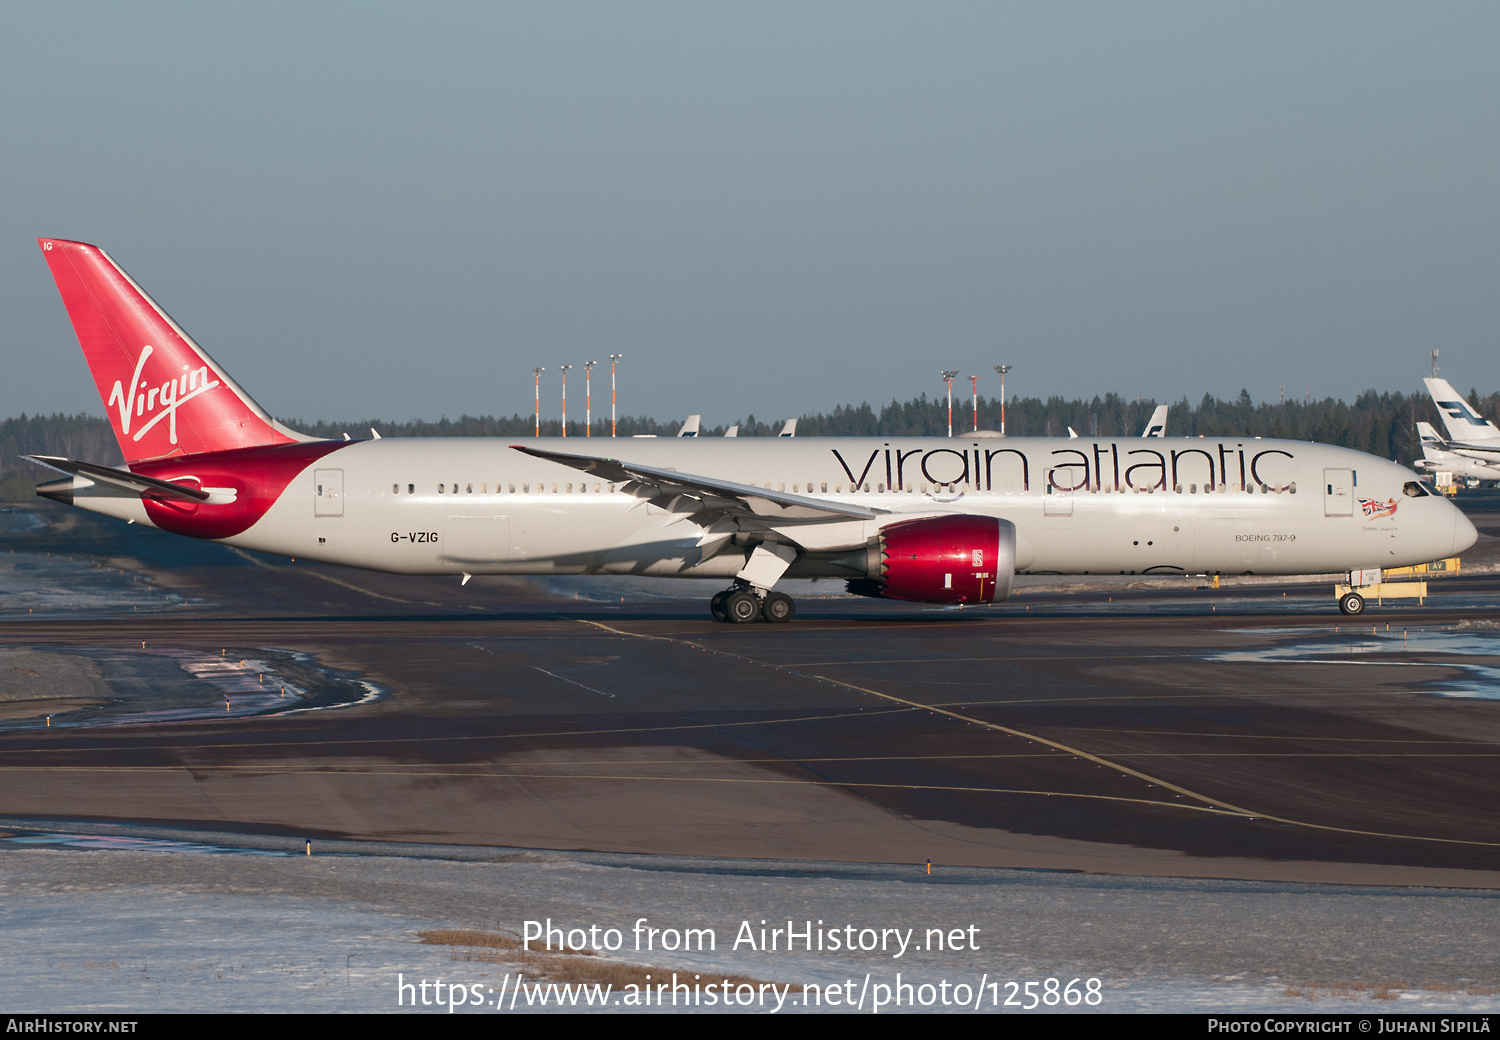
(713, 498)
(1483, 452)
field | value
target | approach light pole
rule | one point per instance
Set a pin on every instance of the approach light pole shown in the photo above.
(538, 373)
(614, 359)
(564, 370)
(948, 378)
(1002, 369)
(975, 380)
(588, 399)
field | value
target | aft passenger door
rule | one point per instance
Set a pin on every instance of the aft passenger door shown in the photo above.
(330, 492)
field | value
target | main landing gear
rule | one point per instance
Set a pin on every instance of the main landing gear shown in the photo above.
(745, 603)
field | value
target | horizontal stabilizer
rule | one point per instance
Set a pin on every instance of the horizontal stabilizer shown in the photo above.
(121, 478)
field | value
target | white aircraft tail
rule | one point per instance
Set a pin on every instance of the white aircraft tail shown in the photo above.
(690, 428)
(1463, 423)
(1157, 427)
(790, 429)
(1428, 435)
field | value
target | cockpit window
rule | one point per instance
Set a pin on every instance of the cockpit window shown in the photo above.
(1415, 489)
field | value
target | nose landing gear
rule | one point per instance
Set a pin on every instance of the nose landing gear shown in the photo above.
(743, 604)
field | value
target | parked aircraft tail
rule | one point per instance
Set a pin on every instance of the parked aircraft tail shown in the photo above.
(163, 394)
(1464, 425)
(1428, 435)
(1157, 426)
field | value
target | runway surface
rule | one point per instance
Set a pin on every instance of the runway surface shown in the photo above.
(1246, 732)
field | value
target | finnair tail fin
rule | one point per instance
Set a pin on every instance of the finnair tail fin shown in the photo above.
(163, 394)
(690, 428)
(1427, 434)
(1157, 427)
(789, 429)
(1463, 423)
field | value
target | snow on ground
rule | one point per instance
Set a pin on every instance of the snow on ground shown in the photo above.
(128, 920)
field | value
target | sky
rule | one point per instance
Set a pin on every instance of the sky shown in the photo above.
(401, 210)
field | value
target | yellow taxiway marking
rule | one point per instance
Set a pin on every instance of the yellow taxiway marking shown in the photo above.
(243, 772)
(1272, 736)
(325, 577)
(367, 741)
(1215, 803)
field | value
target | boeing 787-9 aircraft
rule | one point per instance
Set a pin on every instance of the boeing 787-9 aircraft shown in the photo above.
(931, 520)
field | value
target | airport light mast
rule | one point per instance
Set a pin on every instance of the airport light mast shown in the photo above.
(614, 359)
(1002, 369)
(538, 373)
(588, 399)
(564, 370)
(948, 376)
(975, 380)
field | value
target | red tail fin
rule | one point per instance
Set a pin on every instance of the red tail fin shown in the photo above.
(163, 394)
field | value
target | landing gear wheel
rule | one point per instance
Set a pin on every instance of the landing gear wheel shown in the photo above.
(716, 605)
(741, 607)
(779, 608)
(1351, 603)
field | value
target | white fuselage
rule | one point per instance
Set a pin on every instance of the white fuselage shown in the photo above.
(1084, 506)
(1436, 460)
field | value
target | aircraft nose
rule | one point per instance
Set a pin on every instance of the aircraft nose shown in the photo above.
(1464, 533)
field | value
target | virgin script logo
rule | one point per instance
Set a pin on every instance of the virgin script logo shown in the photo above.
(158, 402)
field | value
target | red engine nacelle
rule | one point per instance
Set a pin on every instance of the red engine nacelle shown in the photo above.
(945, 559)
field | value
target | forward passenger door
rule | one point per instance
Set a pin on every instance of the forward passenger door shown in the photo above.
(1338, 492)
